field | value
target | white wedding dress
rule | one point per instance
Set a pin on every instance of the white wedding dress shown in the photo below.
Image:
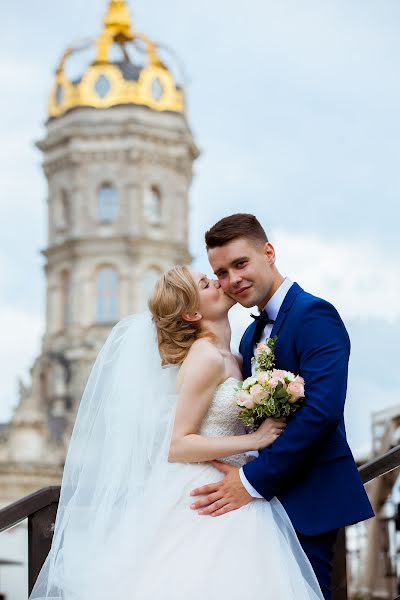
(124, 527)
(251, 552)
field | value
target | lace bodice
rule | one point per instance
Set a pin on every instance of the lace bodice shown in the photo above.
(222, 418)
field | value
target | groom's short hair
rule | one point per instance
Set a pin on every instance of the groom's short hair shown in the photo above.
(241, 225)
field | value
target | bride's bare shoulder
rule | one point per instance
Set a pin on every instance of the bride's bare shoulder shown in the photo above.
(204, 360)
(205, 349)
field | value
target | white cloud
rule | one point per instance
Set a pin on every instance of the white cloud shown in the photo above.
(21, 333)
(358, 277)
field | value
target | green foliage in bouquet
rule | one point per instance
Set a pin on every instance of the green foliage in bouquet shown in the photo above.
(269, 392)
(278, 404)
(265, 359)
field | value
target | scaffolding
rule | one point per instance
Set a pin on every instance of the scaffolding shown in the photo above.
(376, 547)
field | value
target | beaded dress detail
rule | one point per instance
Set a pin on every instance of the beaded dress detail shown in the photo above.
(222, 418)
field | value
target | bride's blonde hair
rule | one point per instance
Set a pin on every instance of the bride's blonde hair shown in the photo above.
(174, 294)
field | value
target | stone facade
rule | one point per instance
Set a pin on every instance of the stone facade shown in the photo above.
(118, 188)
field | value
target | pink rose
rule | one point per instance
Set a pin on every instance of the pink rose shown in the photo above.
(299, 379)
(273, 382)
(258, 393)
(296, 391)
(244, 399)
(263, 348)
(279, 374)
(262, 377)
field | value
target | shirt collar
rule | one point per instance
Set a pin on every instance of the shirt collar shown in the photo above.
(274, 304)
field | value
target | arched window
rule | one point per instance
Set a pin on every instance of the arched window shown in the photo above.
(152, 206)
(65, 210)
(106, 295)
(57, 380)
(66, 304)
(107, 203)
(150, 278)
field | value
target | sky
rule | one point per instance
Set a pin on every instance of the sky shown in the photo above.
(295, 107)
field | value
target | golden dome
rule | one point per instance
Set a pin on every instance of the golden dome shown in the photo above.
(107, 83)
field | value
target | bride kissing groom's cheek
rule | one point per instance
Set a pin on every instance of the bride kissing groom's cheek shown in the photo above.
(166, 426)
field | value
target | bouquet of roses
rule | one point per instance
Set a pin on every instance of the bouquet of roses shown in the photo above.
(270, 392)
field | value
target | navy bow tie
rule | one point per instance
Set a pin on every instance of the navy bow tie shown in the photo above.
(261, 321)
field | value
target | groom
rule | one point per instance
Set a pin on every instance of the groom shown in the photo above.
(310, 468)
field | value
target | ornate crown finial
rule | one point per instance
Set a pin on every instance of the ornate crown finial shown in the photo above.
(107, 83)
(117, 28)
(117, 15)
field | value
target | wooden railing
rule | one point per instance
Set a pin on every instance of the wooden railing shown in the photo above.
(40, 509)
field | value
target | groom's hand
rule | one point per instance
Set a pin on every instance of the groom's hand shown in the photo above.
(223, 496)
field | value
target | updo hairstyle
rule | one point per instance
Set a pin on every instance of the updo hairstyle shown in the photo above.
(174, 294)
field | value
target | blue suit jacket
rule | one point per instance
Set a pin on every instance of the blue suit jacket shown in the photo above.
(310, 468)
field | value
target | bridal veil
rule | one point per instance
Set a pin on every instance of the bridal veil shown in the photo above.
(119, 446)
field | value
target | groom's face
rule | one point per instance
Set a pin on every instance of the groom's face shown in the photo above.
(245, 270)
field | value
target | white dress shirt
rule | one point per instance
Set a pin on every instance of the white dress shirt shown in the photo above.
(272, 308)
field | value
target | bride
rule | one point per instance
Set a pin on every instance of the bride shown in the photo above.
(146, 434)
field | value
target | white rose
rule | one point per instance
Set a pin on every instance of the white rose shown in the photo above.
(247, 383)
(290, 376)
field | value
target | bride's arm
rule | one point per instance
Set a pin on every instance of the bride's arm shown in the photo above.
(204, 370)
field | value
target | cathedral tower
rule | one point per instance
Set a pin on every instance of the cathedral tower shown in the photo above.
(117, 156)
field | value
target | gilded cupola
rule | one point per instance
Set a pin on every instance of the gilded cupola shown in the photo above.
(110, 81)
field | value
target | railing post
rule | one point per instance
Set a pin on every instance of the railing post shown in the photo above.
(339, 571)
(40, 536)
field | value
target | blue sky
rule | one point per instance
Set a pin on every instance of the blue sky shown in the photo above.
(295, 107)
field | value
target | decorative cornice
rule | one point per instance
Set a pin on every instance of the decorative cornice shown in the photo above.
(89, 246)
(179, 164)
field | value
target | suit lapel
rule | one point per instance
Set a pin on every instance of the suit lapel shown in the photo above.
(285, 307)
(247, 342)
(247, 350)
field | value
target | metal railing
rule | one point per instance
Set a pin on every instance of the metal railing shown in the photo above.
(40, 509)
(369, 471)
